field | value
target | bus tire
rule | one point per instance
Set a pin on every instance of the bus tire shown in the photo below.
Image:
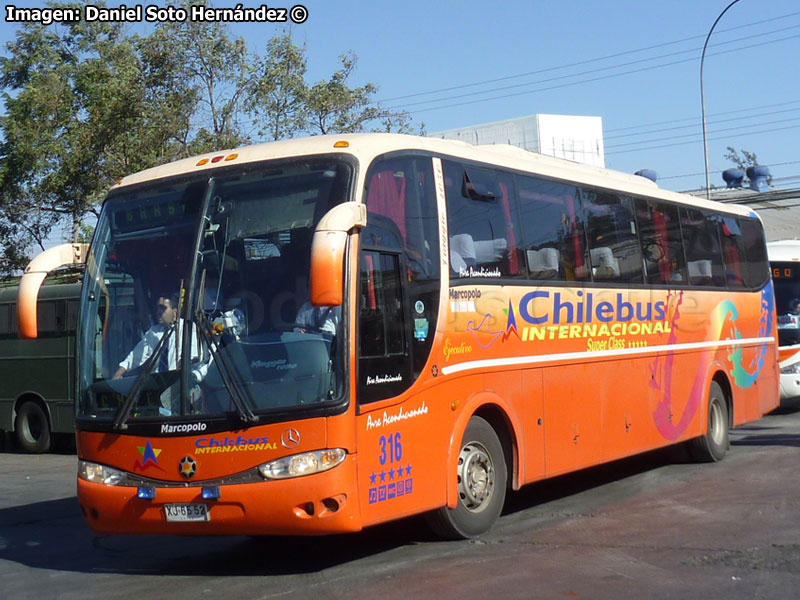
(713, 444)
(32, 428)
(481, 480)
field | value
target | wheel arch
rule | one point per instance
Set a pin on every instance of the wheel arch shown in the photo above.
(500, 415)
(501, 423)
(724, 382)
(31, 397)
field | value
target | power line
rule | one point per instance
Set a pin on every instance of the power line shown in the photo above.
(617, 66)
(719, 114)
(589, 80)
(622, 65)
(700, 141)
(688, 135)
(581, 63)
(732, 119)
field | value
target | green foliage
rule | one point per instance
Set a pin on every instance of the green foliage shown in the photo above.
(62, 114)
(277, 92)
(87, 103)
(746, 159)
(334, 107)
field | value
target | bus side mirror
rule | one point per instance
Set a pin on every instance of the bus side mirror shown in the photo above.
(328, 251)
(35, 273)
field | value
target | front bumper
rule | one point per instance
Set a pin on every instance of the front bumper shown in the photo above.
(316, 504)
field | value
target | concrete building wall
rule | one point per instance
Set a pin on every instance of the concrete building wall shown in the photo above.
(576, 138)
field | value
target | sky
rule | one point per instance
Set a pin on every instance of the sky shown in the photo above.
(634, 63)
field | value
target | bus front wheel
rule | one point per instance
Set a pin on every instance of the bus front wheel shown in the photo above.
(713, 444)
(32, 428)
(481, 477)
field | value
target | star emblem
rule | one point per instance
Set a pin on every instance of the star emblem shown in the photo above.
(187, 467)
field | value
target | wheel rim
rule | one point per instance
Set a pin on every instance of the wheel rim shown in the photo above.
(716, 428)
(476, 477)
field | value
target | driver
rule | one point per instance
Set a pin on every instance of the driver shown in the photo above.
(167, 313)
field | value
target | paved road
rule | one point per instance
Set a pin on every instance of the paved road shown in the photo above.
(655, 526)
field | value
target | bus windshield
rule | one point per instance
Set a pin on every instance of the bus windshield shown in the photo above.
(196, 298)
(786, 277)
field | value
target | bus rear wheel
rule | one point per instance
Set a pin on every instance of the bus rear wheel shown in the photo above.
(713, 444)
(32, 428)
(481, 476)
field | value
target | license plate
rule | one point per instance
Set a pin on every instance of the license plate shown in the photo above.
(187, 512)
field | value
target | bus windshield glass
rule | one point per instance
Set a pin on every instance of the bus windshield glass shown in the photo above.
(196, 300)
(786, 278)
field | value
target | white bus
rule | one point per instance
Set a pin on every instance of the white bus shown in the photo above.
(784, 259)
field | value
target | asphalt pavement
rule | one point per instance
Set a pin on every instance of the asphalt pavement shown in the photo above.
(653, 526)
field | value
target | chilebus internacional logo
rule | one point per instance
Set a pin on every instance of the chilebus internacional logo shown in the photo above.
(149, 458)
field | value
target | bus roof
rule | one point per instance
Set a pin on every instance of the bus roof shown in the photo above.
(366, 146)
(784, 250)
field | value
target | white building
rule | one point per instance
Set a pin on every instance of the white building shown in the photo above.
(574, 138)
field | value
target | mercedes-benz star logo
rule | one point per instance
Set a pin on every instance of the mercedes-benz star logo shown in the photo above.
(290, 438)
(187, 467)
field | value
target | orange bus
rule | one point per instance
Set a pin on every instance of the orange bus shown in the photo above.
(314, 336)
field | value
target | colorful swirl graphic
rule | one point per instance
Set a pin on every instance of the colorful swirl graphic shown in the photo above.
(722, 322)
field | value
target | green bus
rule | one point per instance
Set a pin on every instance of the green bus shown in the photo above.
(36, 387)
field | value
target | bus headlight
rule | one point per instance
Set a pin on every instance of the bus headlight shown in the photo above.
(302, 464)
(792, 369)
(95, 473)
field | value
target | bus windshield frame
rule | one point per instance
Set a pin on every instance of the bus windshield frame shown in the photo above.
(195, 305)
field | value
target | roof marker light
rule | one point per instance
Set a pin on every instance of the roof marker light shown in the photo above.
(201, 162)
(231, 157)
(216, 159)
(341, 144)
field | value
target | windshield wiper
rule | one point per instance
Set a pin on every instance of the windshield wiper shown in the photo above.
(125, 410)
(241, 399)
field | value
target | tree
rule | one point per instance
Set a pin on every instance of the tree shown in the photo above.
(204, 61)
(278, 92)
(87, 103)
(73, 93)
(333, 107)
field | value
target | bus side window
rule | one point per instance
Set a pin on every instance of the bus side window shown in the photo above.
(552, 229)
(402, 218)
(733, 251)
(72, 315)
(614, 251)
(704, 261)
(52, 317)
(5, 320)
(481, 217)
(756, 267)
(660, 236)
(387, 198)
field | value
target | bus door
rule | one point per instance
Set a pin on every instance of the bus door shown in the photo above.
(398, 305)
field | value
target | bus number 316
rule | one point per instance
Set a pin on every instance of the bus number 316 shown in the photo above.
(391, 448)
